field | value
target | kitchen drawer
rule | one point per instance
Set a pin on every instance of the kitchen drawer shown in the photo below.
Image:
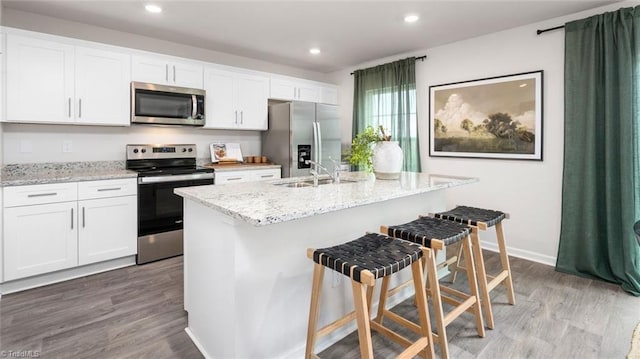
(107, 188)
(40, 194)
(264, 175)
(231, 177)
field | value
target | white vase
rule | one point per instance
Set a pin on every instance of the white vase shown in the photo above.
(387, 160)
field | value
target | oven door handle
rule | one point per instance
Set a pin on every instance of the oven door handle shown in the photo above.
(175, 178)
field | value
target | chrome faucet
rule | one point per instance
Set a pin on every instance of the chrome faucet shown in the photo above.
(317, 168)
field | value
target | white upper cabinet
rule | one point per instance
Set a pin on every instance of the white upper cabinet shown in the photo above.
(167, 71)
(52, 82)
(329, 94)
(102, 87)
(39, 80)
(292, 89)
(236, 100)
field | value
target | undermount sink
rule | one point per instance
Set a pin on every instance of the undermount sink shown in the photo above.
(309, 183)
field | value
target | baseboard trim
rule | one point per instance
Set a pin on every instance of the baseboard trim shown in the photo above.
(196, 342)
(19, 285)
(522, 253)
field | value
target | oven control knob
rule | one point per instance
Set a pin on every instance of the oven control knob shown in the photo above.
(190, 149)
(184, 150)
(143, 150)
(135, 150)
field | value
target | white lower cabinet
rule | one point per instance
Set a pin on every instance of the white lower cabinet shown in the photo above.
(247, 175)
(107, 229)
(58, 226)
(40, 239)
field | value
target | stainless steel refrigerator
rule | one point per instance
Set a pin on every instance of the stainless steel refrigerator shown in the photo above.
(300, 131)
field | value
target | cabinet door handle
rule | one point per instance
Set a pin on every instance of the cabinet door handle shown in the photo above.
(234, 178)
(109, 189)
(71, 218)
(266, 176)
(69, 107)
(79, 108)
(166, 72)
(42, 194)
(236, 122)
(83, 221)
(174, 73)
(241, 117)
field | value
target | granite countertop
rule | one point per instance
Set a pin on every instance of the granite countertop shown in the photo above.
(264, 203)
(44, 173)
(223, 167)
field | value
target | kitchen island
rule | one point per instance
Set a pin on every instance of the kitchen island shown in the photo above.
(247, 277)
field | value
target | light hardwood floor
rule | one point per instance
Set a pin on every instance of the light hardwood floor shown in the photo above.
(136, 312)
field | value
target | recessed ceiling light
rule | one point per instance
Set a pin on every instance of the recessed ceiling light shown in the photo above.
(153, 8)
(523, 85)
(411, 18)
(314, 51)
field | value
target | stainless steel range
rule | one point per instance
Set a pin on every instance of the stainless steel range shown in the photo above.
(161, 168)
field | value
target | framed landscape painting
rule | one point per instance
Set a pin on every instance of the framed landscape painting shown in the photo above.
(497, 117)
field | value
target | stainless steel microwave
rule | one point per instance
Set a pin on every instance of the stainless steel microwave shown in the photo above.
(166, 105)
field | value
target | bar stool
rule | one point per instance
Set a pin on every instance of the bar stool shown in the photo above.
(479, 218)
(436, 234)
(364, 260)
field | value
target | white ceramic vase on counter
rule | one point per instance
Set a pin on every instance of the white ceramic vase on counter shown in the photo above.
(387, 160)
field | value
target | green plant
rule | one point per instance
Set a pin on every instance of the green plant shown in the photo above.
(361, 149)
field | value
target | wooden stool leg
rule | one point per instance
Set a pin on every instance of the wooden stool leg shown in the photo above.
(482, 277)
(423, 310)
(383, 299)
(454, 275)
(434, 288)
(362, 317)
(473, 284)
(504, 258)
(318, 274)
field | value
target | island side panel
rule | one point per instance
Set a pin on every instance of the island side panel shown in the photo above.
(265, 308)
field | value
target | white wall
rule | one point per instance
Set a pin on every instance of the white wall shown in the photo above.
(43, 143)
(91, 143)
(530, 191)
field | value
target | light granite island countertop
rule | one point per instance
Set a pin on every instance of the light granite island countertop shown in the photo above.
(247, 284)
(270, 202)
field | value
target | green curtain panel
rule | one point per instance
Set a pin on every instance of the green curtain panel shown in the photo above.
(600, 189)
(386, 95)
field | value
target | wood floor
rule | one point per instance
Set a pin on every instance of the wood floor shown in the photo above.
(136, 312)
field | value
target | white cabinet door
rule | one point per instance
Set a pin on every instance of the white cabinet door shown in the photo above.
(39, 80)
(150, 69)
(329, 94)
(282, 89)
(39, 239)
(236, 100)
(108, 229)
(186, 74)
(294, 90)
(308, 92)
(165, 71)
(102, 81)
(252, 97)
(220, 107)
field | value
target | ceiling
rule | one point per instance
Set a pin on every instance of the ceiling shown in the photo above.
(347, 32)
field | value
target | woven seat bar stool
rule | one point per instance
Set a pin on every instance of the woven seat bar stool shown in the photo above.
(364, 260)
(482, 219)
(436, 234)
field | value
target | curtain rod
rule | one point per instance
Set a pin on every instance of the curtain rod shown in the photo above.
(421, 58)
(538, 32)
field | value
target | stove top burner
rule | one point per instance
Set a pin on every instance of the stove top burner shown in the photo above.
(163, 160)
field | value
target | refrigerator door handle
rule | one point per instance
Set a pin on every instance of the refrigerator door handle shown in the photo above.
(319, 143)
(315, 142)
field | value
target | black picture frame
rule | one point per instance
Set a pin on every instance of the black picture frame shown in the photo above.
(496, 118)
